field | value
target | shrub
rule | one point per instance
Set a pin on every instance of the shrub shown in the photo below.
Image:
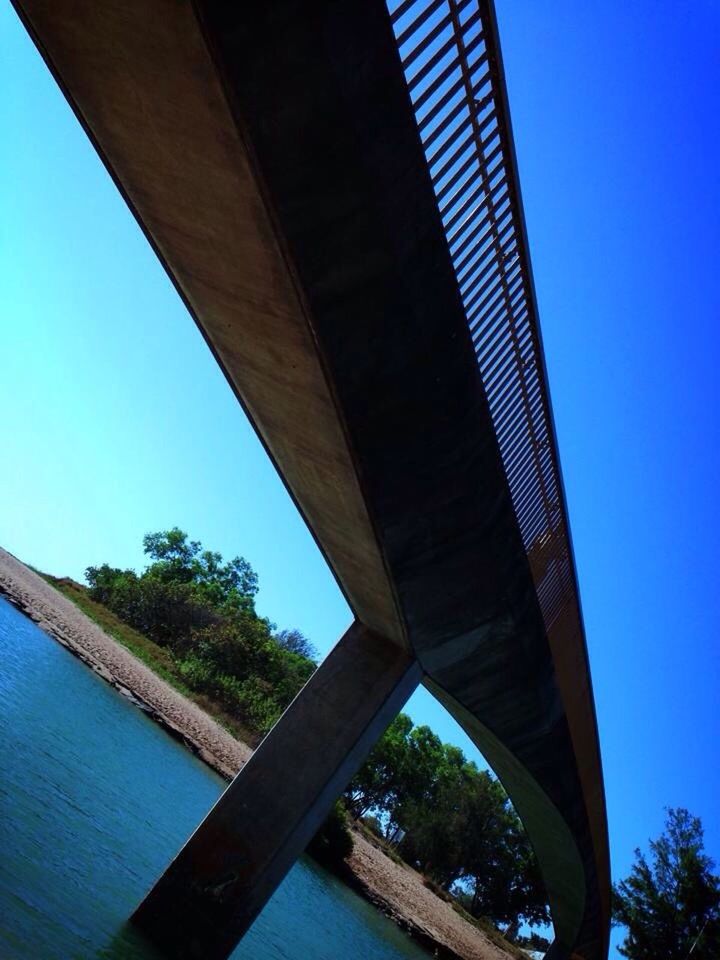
(333, 843)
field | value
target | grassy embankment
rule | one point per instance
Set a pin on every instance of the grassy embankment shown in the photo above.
(159, 659)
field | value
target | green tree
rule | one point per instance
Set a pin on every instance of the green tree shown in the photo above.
(296, 642)
(164, 609)
(173, 553)
(435, 817)
(226, 586)
(460, 829)
(202, 609)
(503, 871)
(670, 903)
(380, 781)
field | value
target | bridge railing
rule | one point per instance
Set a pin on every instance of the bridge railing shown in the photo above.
(452, 65)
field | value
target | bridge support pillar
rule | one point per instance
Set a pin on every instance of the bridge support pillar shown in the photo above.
(223, 876)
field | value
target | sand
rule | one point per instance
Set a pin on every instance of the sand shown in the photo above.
(394, 888)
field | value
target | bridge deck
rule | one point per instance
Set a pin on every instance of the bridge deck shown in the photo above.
(334, 193)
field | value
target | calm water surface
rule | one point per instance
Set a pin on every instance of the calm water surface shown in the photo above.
(94, 801)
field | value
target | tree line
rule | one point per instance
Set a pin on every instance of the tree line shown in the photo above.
(455, 822)
(203, 611)
(670, 902)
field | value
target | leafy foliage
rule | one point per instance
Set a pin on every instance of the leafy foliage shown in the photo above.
(203, 611)
(296, 642)
(459, 827)
(670, 903)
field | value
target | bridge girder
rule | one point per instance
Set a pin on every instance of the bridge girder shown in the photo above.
(272, 156)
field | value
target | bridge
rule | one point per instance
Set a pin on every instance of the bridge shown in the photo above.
(332, 188)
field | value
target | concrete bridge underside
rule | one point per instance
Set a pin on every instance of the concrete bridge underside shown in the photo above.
(271, 154)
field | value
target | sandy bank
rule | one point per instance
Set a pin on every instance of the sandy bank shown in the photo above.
(399, 892)
(396, 889)
(59, 617)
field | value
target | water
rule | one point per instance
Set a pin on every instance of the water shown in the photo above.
(94, 801)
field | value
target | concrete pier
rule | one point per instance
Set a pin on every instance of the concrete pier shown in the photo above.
(229, 868)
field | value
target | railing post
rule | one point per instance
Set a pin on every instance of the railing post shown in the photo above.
(223, 876)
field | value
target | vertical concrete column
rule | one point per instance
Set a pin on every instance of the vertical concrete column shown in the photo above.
(230, 866)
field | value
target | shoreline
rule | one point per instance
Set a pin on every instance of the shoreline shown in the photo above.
(395, 889)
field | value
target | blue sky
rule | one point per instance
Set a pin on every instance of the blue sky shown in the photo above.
(116, 420)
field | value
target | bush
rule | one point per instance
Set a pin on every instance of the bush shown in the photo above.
(333, 843)
(257, 704)
(202, 610)
(196, 673)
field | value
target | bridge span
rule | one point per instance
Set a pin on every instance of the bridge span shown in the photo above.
(332, 188)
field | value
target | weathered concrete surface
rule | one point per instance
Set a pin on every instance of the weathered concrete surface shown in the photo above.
(149, 95)
(231, 865)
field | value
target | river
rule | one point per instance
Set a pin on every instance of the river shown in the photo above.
(94, 801)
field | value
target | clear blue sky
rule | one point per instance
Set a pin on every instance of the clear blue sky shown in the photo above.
(116, 420)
